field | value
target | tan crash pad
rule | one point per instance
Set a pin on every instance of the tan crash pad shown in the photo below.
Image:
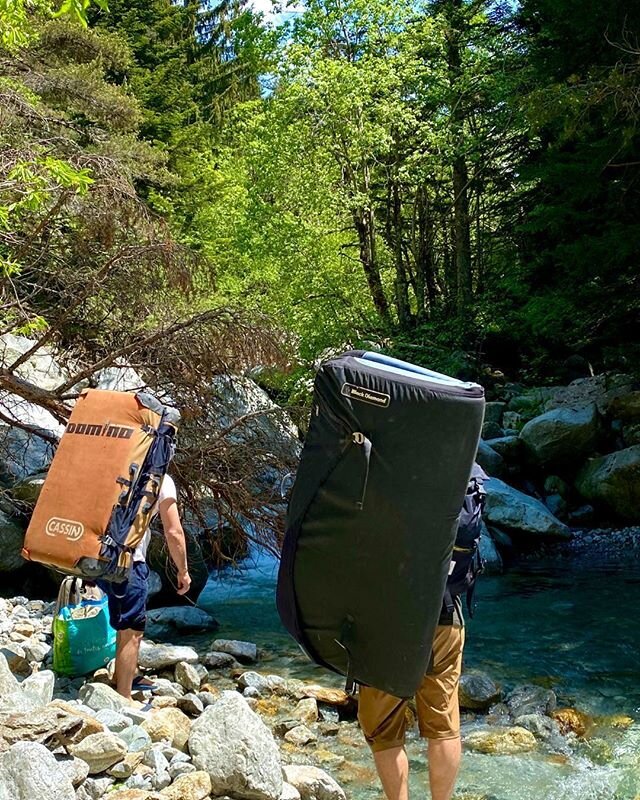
(104, 438)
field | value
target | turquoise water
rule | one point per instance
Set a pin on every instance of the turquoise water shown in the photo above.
(566, 624)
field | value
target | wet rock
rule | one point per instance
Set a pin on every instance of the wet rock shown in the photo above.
(501, 742)
(508, 508)
(215, 660)
(100, 751)
(188, 676)
(159, 656)
(232, 744)
(614, 482)
(192, 786)
(599, 751)
(245, 652)
(168, 724)
(490, 461)
(181, 619)
(328, 713)
(28, 771)
(571, 720)
(306, 710)
(300, 736)
(562, 435)
(478, 691)
(264, 684)
(539, 725)
(619, 721)
(531, 700)
(313, 783)
(99, 696)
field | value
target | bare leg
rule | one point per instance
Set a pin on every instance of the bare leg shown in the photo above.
(393, 769)
(127, 650)
(444, 762)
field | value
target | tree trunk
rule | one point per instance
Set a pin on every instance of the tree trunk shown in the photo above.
(402, 286)
(364, 223)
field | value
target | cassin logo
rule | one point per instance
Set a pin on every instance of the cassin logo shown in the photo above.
(68, 528)
(380, 399)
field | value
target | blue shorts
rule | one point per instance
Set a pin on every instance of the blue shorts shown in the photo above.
(128, 600)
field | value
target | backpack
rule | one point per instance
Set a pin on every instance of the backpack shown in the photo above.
(466, 562)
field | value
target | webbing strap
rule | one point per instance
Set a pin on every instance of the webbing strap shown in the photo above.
(365, 443)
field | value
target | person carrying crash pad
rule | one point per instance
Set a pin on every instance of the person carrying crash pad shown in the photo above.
(383, 717)
(128, 600)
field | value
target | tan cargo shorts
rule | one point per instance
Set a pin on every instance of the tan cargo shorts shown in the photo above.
(383, 717)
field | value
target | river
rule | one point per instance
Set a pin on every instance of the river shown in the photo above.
(568, 624)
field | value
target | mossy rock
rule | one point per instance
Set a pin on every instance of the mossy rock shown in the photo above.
(501, 742)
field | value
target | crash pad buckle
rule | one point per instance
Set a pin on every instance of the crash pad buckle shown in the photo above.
(358, 437)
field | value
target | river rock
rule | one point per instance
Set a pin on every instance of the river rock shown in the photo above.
(27, 491)
(489, 554)
(232, 744)
(160, 656)
(99, 696)
(124, 769)
(133, 794)
(511, 420)
(493, 411)
(571, 720)
(300, 736)
(28, 771)
(508, 447)
(168, 724)
(313, 783)
(16, 658)
(76, 769)
(40, 684)
(136, 738)
(11, 541)
(555, 485)
(215, 660)
(114, 720)
(188, 676)
(100, 751)
(76, 724)
(490, 461)
(323, 694)
(94, 788)
(614, 481)
(167, 688)
(307, 710)
(8, 682)
(562, 435)
(531, 700)
(193, 786)
(191, 704)
(265, 684)
(539, 725)
(289, 792)
(477, 691)
(184, 619)
(626, 407)
(491, 430)
(501, 742)
(156, 761)
(245, 652)
(36, 650)
(509, 508)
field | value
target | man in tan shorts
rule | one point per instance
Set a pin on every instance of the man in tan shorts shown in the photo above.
(383, 718)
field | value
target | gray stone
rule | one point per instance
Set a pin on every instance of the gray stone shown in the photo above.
(76, 769)
(490, 461)
(613, 481)
(508, 508)
(215, 660)
(11, 541)
(35, 650)
(509, 447)
(167, 688)
(27, 491)
(555, 485)
(489, 554)
(28, 771)
(180, 768)
(113, 720)
(556, 504)
(40, 684)
(300, 736)
(135, 738)
(160, 766)
(493, 411)
(99, 696)
(21, 453)
(491, 430)
(289, 792)
(232, 744)
(137, 781)
(524, 700)
(20, 702)
(313, 783)
(511, 420)
(191, 704)
(541, 726)
(562, 435)
(182, 619)
(328, 713)
(100, 751)
(8, 682)
(478, 691)
(159, 656)
(207, 698)
(245, 652)
(16, 658)
(188, 676)
(264, 684)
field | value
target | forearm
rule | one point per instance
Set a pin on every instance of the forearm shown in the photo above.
(177, 548)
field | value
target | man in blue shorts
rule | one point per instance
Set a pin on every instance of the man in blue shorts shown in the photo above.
(128, 600)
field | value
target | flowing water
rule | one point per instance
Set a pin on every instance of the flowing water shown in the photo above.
(562, 623)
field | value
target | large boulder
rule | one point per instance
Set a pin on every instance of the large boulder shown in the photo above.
(517, 512)
(478, 691)
(562, 435)
(490, 461)
(160, 656)
(613, 481)
(183, 619)
(231, 743)
(11, 541)
(28, 771)
(603, 390)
